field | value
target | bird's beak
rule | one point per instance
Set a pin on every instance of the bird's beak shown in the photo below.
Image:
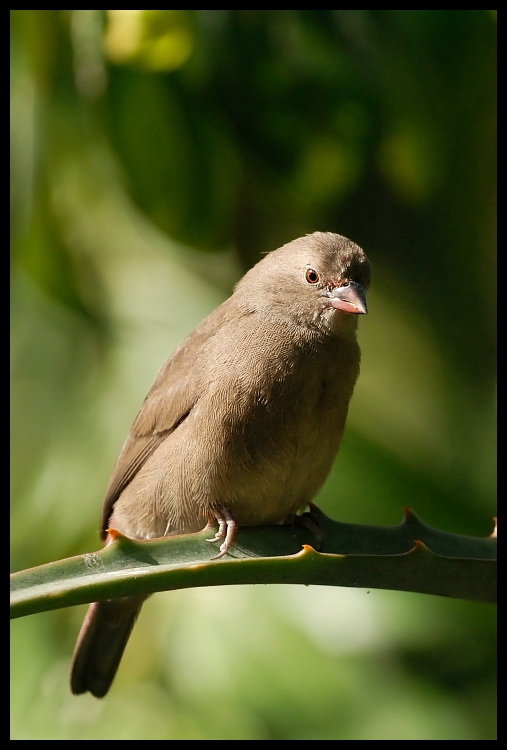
(350, 298)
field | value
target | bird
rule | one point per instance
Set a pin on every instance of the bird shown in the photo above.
(241, 424)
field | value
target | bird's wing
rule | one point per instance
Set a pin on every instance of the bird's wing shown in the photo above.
(168, 403)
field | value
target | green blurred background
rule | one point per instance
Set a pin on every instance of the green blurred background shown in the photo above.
(155, 156)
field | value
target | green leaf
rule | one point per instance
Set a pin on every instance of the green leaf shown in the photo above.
(409, 557)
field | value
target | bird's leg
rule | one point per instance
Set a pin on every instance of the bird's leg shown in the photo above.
(226, 530)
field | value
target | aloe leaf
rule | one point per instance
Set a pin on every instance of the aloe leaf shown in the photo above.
(411, 556)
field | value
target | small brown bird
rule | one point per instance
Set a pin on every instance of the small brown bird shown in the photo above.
(242, 422)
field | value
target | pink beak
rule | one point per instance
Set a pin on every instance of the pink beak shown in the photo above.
(349, 298)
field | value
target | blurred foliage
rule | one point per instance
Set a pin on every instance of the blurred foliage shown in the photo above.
(154, 156)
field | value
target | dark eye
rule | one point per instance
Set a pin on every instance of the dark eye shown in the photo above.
(311, 276)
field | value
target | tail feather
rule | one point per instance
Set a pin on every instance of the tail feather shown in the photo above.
(101, 643)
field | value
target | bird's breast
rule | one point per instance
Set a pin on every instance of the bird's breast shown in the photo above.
(276, 440)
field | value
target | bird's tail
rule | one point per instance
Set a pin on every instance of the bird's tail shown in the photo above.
(101, 643)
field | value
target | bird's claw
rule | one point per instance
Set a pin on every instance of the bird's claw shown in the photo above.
(226, 530)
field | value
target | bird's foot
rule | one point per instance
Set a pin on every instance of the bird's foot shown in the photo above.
(226, 530)
(308, 520)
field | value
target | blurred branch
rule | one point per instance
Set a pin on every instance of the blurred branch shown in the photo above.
(409, 557)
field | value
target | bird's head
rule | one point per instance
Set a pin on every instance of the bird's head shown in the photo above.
(317, 280)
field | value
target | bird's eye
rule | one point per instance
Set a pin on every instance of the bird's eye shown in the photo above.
(312, 276)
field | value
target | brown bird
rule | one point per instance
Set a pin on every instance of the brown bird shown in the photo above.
(242, 422)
